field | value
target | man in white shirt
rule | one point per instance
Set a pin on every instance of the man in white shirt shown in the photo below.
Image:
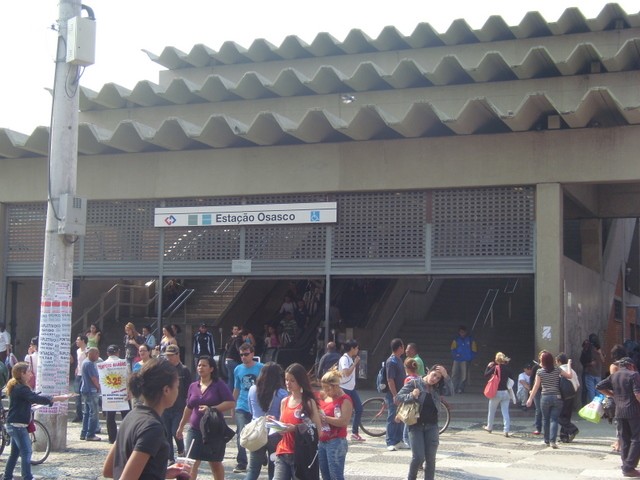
(348, 365)
(81, 354)
(5, 341)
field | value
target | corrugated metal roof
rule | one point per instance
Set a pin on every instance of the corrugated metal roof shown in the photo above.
(598, 107)
(429, 95)
(539, 62)
(424, 36)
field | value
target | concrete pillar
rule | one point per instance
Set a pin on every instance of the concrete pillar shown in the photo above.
(4, 260)
(549, 323)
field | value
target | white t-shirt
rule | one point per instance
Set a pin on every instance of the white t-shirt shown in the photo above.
(521, 377)
(574, 379)
(348, 382)
(80, 355)
(5, 340)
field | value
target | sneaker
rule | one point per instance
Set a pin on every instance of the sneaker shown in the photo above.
(487, 429)
(572, 436)
(631, 473)
(546, 444)
(83, 438)
(554, 445)
(536, 432)
(402, 446)
(356, 438)
(93, 439)
(391, 448)
(240, 469)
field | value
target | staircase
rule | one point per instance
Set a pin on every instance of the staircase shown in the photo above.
(211, 297)
(458, 303)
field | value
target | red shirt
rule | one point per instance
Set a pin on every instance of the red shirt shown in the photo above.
(329, 432)
(291, 416)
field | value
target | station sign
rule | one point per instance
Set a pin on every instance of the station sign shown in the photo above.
(241, 215)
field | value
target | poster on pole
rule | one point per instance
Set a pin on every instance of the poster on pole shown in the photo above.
(54, 347)
(113, 385)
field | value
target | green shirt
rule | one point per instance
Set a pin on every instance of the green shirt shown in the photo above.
(421, 370)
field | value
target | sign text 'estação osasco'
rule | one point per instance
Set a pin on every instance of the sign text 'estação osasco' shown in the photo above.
(239, 215)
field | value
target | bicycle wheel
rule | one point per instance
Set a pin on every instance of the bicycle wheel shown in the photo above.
(444, 416)
(40, 444)
(374, 417)
(5, 440)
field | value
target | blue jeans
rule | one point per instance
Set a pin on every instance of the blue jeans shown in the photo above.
(76, 388)
(284, 469)
(230, 365)
(424, 445)
(394, 430)
(590, 382)
(171, 419)
(550, 406)
(459, 375)
(90, 414)
(502, 398)
(242, 418)
(256, 458)
(331, 456)
(20, 446)
(538, 417)
(357, 409)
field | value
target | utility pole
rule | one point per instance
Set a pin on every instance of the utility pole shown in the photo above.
(61, 227)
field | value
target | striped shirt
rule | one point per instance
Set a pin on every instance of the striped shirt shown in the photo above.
(550, 381)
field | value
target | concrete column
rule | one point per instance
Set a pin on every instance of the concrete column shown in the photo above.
(549, 323)
(4, 260)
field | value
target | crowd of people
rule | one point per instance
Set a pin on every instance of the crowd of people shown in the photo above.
(312, 426)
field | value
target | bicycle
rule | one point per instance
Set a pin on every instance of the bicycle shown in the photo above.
(374, 416)
(40, 439)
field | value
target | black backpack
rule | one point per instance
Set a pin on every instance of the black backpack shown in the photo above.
(381, 379)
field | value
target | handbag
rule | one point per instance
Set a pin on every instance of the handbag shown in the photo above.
(592, 412)
(408, 412)
(31, 426)
(254, 434)
(491, 388)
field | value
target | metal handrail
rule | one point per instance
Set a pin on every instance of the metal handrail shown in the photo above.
(489, 297)
(105, 309)
(224, 285)
(396, 311)
(177, 303)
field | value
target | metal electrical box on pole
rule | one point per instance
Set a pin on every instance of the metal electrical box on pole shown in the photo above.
(66, 213)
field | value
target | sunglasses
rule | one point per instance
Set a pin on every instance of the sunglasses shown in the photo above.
(245, 354)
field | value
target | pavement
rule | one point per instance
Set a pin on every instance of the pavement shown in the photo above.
(465, 452)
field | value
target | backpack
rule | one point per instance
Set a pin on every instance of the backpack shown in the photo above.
(381, 379)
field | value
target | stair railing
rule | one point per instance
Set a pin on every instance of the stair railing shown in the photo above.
(396, 313)
(178, 303)
(486, 309)
(110, 303)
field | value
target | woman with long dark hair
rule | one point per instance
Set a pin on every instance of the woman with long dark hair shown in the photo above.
(424, 436)
(300, 406)
(208, 391)
(141, 449)
(265, 398)
(548, 378)
(21, 397)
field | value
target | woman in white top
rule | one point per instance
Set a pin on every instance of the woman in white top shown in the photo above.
(348, 366)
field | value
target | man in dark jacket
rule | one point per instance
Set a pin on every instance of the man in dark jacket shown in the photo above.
(172, 416)
(328, 360)
(624, 387)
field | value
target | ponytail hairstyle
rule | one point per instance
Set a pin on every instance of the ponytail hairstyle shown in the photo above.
(16, 375)
(149, 382)
(300, 374)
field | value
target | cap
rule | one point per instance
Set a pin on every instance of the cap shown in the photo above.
(113, 349)
(203, 325)
(172, 350)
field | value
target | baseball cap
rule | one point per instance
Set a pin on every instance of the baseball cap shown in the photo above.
(113, 349)
(172, 350)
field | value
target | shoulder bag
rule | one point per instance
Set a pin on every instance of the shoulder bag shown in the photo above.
(408, 412)
(491, 388)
